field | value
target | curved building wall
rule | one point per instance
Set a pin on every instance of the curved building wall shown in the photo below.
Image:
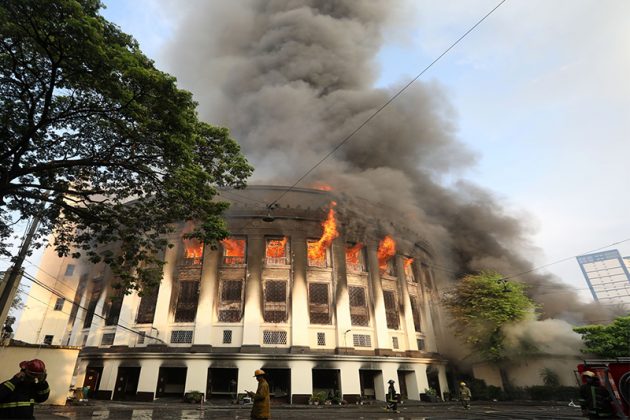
(345, 323)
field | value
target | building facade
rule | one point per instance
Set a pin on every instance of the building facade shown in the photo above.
(339, 311)
(607, 275)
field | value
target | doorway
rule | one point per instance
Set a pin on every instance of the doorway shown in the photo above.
(279, 385)
(127, 383)
(171, 382)
(366, 379)
(93, 380)
(222, 383)
(327, 380)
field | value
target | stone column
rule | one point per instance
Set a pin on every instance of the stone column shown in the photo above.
(342, 298)
(389, 371)
(161, 320)
(246, 380)
(252, 316)
(299, 296)
(422, 383)
(123, 336)
(108, 380)
(350, 381)
(301, 381)
(442, 380)
(197, 375)
(147, 383)
(407, 318)
(374, 280)
(207, 291)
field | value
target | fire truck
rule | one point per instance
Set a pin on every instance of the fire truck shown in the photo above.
(614, 374)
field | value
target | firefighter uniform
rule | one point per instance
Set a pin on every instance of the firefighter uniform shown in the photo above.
(19, 394)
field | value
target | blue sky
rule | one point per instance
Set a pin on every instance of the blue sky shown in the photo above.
(541, 96)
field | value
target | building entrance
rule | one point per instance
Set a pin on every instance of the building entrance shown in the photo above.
(126, 383)
(171, 382)
(222, 383)
(279, 384)
(366, 378)
(327, 381)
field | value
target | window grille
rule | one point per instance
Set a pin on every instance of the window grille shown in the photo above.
(230, 308)
(319, 307)
(420, 342)
(362, 340)
(274, 337)
(107, 339)
(321, 339)
(234, 251)
(415, 312)
(275, 293)
(355, 258)
(69, 270)
(146, 309)
(187, 300)
(391, 311)
(59, 304)
(277, 251)
(141, 336)
(390, 268)
(395, 343)
(229, 315)
(358, 306)
(181, 336)
(227, 336)
(231, 291)
(48, 339)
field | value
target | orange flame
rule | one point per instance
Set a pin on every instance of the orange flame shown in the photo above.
(193, 248)
(386, 250)
(317, 249)
(408, 262)
(352, 253)
(234, 247)
(408, 271)
(275, 248)
(322, 187)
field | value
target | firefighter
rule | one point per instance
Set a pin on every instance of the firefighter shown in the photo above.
(392, 397)
(465, 395)
(19, 394)
(261, 409)
(595, 400)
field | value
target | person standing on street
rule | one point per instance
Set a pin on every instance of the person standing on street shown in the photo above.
(595, 399)
(261, 409)
(392, 397)
(19, 394)
(465, 395)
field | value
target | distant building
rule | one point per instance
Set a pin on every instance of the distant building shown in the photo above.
(608, 276)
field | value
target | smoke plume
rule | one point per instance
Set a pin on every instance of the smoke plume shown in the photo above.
(292, 78)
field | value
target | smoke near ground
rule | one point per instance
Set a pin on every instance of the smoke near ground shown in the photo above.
(292, 78)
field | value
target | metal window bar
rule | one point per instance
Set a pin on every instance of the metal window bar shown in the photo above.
(395, 343)
(232, 260)
(227, 336)
(391, 311)
(186, 309)
(319, 306)
(361, 340)
(181, 336)
(415, 313)
(146, 309)
(321, 339)
(108, 339)
(59, 304)
(274, 337)
(359, 315)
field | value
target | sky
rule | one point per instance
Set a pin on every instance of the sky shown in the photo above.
(540, 94)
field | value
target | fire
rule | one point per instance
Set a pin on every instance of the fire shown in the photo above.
(322, 187)
(234, 247)
(317, 249)
(408, 262)
(275, 247)
(386, 250)
(193, 249)
(352, 253)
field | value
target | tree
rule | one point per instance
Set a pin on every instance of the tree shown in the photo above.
(480, 305)
(612, 340)
(101, 144)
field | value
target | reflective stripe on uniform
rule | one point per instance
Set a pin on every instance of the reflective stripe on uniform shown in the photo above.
(47, 390)
(17, 404)
(9, 385)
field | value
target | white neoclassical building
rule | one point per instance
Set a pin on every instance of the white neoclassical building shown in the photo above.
(341, 312)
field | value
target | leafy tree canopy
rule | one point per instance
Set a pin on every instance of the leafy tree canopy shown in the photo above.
(612, 340)
(100, 143)
(480, 305)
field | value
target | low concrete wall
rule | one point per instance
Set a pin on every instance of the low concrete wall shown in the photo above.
(60, 363)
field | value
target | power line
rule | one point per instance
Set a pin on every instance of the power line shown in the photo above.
(389, 101)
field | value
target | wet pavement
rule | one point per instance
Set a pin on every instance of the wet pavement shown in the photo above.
(409, 411)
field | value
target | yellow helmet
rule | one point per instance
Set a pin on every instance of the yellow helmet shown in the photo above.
(462, 384)
(259, 372)
(588, 373)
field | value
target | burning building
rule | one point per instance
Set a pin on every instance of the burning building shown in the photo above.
(301, 292)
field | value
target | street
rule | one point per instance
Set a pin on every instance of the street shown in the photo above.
(413, 411)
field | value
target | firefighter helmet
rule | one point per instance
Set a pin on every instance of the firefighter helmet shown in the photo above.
(33, 367)
(259, 372)
(588, 373)
(462, 384)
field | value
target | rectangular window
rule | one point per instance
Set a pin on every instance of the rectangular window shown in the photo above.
(408, 264)
(275, 301)
(107, 339)
(146, 309)
(391, 311)
(227, 336)
(234, 251)
(415, 312)
(59, 304)
(358, 306)
(187, 300)
(321, 339)
(355, 258)
(318, 254)
(230, 307)
(69, 270)
(181, 336)
(277, 251)
(275, 291)
(94, 296)
(362, 340)
(274, 337)
(193, 252)
(48, 339)
(395, 343)
(141, 336)
(420, 342)
(318, 302)
(113, 306)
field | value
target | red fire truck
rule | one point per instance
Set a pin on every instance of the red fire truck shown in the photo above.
(614, 374)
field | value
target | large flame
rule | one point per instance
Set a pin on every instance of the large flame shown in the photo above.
(317, 249)
(353, 253)
(193, 249)
(234, 247)
(386, 250)
(275, 248)
(321, 186)
(408, 270)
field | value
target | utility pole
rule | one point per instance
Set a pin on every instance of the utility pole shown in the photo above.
(13, 276)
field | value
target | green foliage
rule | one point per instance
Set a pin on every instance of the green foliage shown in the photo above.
(612, 340)
(481, 305)
(111, 146)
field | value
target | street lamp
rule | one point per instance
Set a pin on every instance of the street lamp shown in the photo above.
(345, 340)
